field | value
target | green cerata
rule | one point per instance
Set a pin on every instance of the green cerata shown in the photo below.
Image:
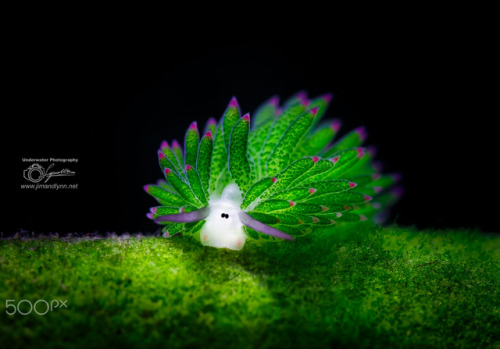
(273, 176)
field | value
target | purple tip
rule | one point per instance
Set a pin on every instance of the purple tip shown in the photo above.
(164, 144)
(327, 97)
(398, 192)
(233, 103)
(362, 133)
(305, 102)
(160, 154)
(352, 184)
(335, 159)
(193, 126)
(212, 121)
(246, 117)
(208, 134)
(189, 167)
(302, 95)
(367, 198)
(153, 210)
(146, 187)
(335, 125)
(361, 152)
(161, 182)
(372, 150)
(149, 215)
(315, 159)
(274, 101)
(175, 144)
(167, 171)
(314, 111)
(396, 177)
(279, 111)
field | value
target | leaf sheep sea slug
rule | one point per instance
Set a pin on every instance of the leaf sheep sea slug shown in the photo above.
(274, 176)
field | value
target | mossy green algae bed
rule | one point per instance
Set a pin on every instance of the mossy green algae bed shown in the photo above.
(354, 286)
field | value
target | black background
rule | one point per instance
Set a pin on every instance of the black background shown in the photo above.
(110, 101)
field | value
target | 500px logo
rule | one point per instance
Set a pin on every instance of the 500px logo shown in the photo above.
(35, 173)
(40, 307)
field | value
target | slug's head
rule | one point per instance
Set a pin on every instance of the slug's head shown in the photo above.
(223, 227)
(223, 221)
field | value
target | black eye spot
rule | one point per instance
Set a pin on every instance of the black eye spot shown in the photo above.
(227, 216)
(224, 215)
